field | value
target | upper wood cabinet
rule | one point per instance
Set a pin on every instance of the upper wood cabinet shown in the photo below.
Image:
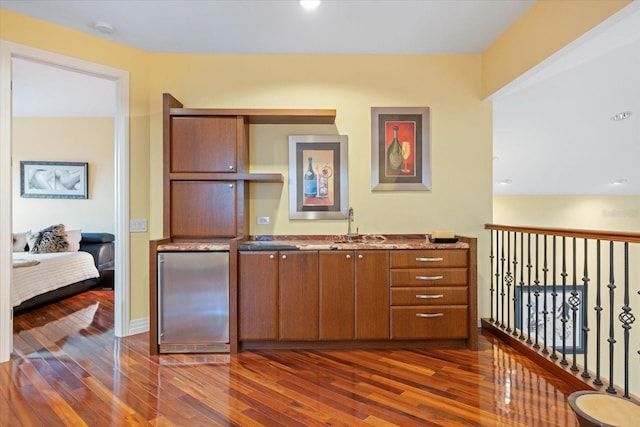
(204, 144)
(210, 145)
(204, 209)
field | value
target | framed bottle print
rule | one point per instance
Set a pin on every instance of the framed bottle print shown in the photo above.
(318, 182)
(400, 148)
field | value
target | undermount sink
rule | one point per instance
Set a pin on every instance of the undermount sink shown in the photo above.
(266, 246)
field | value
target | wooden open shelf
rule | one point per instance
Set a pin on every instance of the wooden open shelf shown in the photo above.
(264, 116)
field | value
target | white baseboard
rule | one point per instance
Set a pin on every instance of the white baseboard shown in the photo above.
(139, 326)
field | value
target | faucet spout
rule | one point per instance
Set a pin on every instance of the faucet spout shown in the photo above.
(350, 235)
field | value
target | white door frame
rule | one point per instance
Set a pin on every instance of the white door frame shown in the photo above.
(9, 50)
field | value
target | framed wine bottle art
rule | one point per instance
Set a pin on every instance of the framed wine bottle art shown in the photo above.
(318, 181)
(400, 148)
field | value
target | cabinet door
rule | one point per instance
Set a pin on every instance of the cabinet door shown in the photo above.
(258, 295)
(298, 273)
(337, 295)
(203, 209)
(203, 144)
(372, 295)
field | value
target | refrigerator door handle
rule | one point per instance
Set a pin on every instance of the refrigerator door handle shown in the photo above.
(159, 268)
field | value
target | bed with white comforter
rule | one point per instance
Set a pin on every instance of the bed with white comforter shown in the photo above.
(36, 274)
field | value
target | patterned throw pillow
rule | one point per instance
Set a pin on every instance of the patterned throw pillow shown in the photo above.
(50, 239)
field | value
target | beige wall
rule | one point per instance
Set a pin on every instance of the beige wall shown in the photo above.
(451, 85)
(63, 139)
(614, 213)
(546, 28)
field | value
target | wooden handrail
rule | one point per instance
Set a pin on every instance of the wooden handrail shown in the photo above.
(615, 236)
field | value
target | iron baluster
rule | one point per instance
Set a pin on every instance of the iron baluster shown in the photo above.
(612, 286)
(554, 301)
(583, 312)
(491, 284)
(574, 301)
(598, 308)
(536, 292)
(627, 318)
(545, 310)
(509, 280)
(529, 288)
(563, 310)
(521, 313)
(515, 288)
(502, 294)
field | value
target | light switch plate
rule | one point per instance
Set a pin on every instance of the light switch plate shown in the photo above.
(263, 220)
(138, 225)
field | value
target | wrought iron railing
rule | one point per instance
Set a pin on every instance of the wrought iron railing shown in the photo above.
(568, 295)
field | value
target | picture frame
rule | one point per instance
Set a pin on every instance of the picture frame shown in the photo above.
(54, 180)
(560, 310)
(392, 167)
(323, 159)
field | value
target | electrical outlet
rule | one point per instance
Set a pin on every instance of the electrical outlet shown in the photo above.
(138, 225)
(263, 220)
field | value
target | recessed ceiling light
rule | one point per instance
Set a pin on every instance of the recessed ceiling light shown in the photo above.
(309, 4)
(505, 182)
(104, 27)
(619, 182)
(621, 116)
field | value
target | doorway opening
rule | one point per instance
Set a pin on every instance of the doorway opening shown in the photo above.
(120, 92)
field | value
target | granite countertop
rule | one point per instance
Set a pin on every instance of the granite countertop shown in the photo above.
(194, 246)
(340, 242)
(318, 242)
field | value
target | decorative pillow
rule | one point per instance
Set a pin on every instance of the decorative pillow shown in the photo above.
(73, 238)
(19, 242)
(50, 239)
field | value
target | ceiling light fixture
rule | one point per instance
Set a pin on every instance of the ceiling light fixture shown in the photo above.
(309, 4)
(619, 182)
(621, 116)
(104, 27)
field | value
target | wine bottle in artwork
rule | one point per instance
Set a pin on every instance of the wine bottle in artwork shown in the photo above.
(309, 181)
(394, 152)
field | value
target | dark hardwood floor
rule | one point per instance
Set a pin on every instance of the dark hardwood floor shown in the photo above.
(69, 370)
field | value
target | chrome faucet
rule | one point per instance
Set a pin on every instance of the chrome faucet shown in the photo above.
(350, 235)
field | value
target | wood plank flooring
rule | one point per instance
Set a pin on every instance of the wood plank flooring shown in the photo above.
(69, 370)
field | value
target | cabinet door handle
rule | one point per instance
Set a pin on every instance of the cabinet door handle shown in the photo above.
(429, 296)
(429, 259)
(230, 185)
(360, 256)
(271, 256)
(230, 167)
(284, 257)
(348, 256)
(429, 314)
(429, 277)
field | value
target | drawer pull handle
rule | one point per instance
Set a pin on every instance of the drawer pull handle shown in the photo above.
(429, 314)
(429, 296)
(429, 277)
(429, 259)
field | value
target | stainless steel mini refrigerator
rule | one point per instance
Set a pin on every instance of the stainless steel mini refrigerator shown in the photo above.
(193, 302)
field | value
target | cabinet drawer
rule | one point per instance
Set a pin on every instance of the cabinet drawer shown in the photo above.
(429, 296)
(429, 258)
(435, 322)
(428, 276)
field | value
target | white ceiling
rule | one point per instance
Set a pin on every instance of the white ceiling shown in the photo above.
(552, 128)
(282, 26)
